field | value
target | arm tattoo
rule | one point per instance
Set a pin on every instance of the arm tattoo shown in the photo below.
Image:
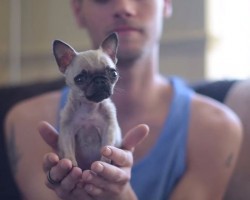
(13, 154)
(229, 160)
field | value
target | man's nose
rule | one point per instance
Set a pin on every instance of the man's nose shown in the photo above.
(124, 8)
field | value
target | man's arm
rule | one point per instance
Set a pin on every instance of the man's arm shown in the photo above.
(26, 147)
(109, 181)
(238, 99)
(213, 147)
(29, 149)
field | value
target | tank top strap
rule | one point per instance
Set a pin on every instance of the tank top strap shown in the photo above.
(155, 176)
(62, 102)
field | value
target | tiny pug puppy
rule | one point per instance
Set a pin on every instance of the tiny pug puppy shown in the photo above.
(88, 121)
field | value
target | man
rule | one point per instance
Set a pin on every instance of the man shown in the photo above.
(193, 141)
(238, 99)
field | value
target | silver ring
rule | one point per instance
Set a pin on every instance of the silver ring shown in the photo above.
(51, 181)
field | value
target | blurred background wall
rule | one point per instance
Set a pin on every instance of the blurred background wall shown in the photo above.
(192, 43)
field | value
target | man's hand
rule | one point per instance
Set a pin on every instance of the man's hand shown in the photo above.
(103, 180)
(65, 176)
(49, 134)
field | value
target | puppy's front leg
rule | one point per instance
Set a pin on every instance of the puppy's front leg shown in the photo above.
(67, 147)
(111, 137)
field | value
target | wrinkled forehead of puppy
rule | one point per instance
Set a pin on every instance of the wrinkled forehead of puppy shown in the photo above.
(92, 61)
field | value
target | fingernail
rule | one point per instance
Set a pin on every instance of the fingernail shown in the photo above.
(89, 177)
(51, 159)
(65, 165)
(99, 167)
(107, 151)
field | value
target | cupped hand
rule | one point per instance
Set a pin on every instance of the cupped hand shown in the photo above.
(103, 180)
(112, 181)
(66, 178)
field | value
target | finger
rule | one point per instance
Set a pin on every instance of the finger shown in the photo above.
(48, 133)
(93, 190)
(49, 161)
(59, 171)
(135, 136)
(81, 193)
(118, 156)
(69, 182)
(106, 186)
(91, 178)
(110, 172)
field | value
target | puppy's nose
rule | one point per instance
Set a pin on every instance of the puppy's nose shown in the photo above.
(100, 81)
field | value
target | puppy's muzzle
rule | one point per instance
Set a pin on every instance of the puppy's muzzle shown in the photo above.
(99, 89)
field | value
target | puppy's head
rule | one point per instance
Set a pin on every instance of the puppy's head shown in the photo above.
(90, 74)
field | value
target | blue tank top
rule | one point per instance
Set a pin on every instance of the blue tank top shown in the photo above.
(156, 175)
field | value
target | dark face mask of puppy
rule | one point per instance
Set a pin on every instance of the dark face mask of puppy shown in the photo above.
(88, 120)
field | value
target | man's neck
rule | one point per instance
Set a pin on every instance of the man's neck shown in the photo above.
(139, 83)
(140, 72)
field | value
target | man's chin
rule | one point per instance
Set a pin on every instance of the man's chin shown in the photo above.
(129, 54)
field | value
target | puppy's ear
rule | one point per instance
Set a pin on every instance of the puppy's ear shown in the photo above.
(64, 54)
(110, 46)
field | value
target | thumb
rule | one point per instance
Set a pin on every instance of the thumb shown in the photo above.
(49, 134)
(135, 136)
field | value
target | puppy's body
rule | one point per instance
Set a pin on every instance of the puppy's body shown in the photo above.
(88, 120)
(87, 128)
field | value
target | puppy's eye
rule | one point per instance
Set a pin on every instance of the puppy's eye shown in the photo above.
(80, 78)
(113, 73)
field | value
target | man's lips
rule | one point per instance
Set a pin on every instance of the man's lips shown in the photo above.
(125, 29)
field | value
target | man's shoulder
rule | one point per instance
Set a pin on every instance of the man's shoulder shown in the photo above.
(213, 146)
(41, 106)
(213, 121)
(211, 112)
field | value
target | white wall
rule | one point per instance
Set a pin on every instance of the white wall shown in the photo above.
(228, 28)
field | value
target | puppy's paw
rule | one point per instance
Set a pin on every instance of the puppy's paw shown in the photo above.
(74, 162)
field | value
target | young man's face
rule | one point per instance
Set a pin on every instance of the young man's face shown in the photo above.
(137, 22)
